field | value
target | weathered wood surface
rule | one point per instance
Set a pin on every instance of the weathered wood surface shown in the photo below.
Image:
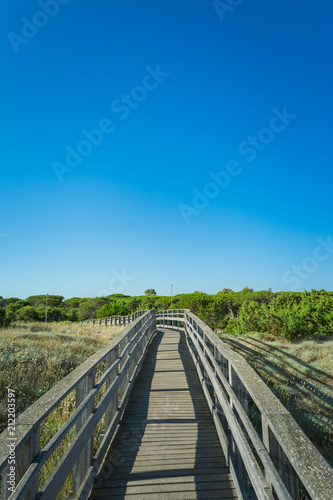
(123, 357)
(166, 446)
(114, 320)
(286, 453)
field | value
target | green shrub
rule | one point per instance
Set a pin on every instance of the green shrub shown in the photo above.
(291, 316)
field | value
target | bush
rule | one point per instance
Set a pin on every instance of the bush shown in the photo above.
(114, 308)
(290, 315)
(233, 327)
(88, 309)
(4, 321)
(27, 313)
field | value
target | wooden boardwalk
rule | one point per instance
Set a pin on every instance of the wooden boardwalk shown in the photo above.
(159, 436)
(166, 446)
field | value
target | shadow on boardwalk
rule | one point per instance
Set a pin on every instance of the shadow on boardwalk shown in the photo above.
(166, 446)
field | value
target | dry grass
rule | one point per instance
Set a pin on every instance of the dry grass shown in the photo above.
(33, 358)
(300, 375)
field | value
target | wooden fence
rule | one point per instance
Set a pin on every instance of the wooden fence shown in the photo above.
(114, 320)
(269, 455)
(117, 365)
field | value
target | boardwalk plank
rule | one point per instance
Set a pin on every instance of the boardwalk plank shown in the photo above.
(166, 446)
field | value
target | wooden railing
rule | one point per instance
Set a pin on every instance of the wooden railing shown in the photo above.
(171, 318)
(268, 454)
(114, 320)
(97, 401)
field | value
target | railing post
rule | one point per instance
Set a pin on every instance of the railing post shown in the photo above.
(208, 382)
(220, 361)
(281, 462)
(23, 459)
(179, 316)
(82, 464)
(123, 385)
(243, 477)
(113, 406)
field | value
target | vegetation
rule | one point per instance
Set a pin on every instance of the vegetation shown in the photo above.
(292, 316)
(286, 314)
(285, 336)
(33, 358)
(301, 376)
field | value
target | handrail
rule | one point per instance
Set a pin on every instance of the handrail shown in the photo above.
(119, 362)
(269, 463)
(172, 318)
(114, 320)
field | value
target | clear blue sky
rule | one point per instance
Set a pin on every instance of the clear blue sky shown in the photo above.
(182, 93)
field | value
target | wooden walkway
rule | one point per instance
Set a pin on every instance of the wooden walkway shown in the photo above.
(166, 447)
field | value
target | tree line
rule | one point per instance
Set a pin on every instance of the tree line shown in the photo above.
(292, 315)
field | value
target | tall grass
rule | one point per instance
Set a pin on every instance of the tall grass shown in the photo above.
(33, 358)
(301, 376)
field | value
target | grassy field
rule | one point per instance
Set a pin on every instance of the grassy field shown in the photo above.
(300, 375)
(33, 358)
